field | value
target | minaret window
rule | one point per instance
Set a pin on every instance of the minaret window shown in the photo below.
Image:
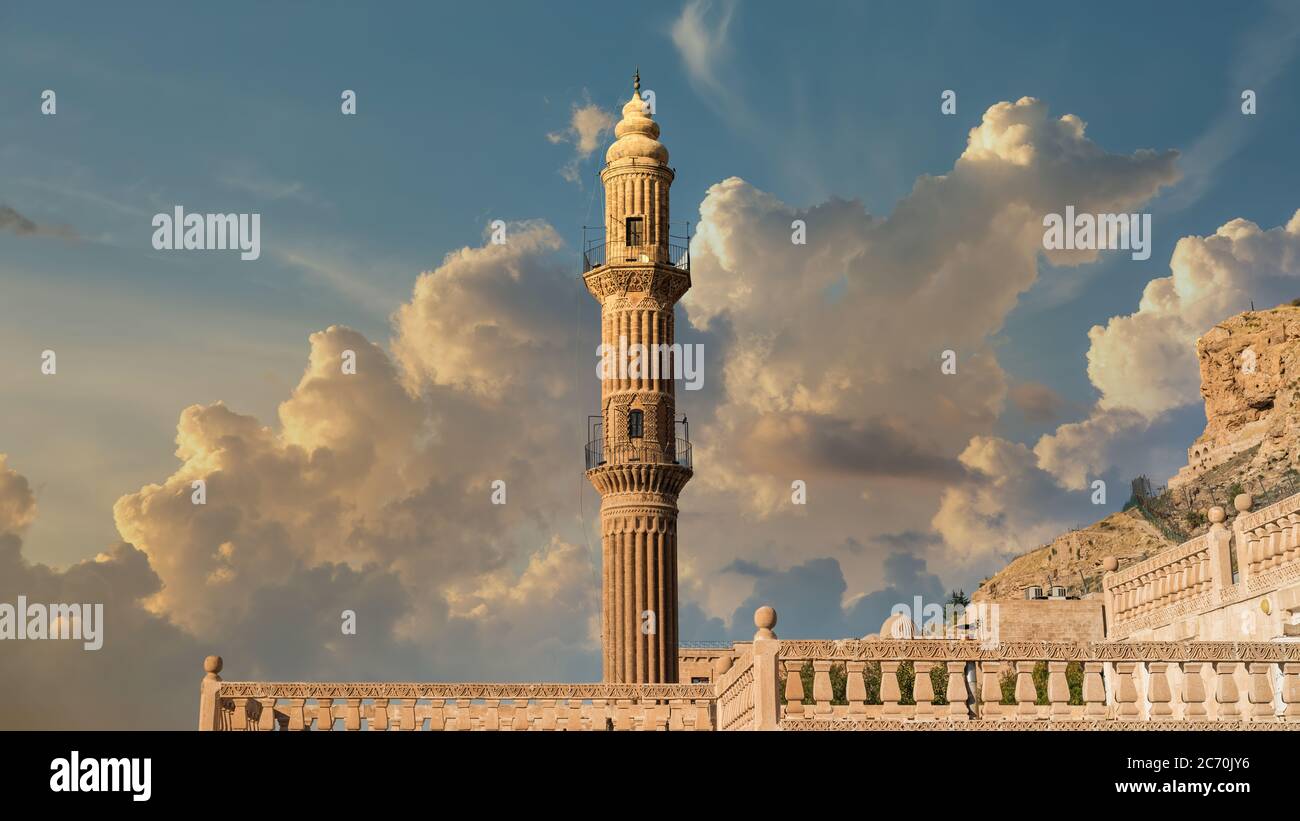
(635, 232)
(635, 424)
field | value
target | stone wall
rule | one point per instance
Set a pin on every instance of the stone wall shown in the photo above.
(1051, 620)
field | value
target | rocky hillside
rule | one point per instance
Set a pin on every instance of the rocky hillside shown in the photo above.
(1250, 379)
(1074, 559)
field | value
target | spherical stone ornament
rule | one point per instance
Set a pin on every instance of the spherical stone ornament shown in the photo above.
(1243, 502)
(212, 664)
(765, 620)
(1110, 564)
(1217, 515)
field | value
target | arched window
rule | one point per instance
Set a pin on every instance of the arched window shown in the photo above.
(635, 424)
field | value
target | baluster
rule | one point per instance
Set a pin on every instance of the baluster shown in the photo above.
(438, 711)
(1272, 543)
(521, 720)
(822, 688)
(266, 719)
(1126, 697)
(405, 713)
(492, 714)
(1226, 694)
(678, 710)
(1058, 691)
(923, 690)
(379, 714)
(506, 723)
(1292, 538)
(352, 714)
(1094, 691)
(623, 714)
(1194, 691)
(595, 715)
(1261, 690)
(855, 689)
(793, 688)
(990, 689)
(889, 692)
(956, 691)
(1158, 694)
(1256, 549)
(703, 717)
(464, 717)
(657, 716)
(1291, 691)
(324, 714)
(1026, 694)
(239, 718)
(295, 711)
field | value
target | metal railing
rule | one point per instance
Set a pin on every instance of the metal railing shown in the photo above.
(597, 250)
(677, 453)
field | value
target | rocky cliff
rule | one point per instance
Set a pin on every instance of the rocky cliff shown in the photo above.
(1250, 378)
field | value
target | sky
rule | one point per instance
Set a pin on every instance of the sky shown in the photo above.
(476, 362)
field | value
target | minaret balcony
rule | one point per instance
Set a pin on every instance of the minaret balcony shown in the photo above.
(636, 450)
(631, 453)
(598, 250)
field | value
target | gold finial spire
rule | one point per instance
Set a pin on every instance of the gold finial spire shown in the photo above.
(636, 81)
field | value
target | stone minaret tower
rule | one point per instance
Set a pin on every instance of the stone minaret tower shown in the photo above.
(635, 458)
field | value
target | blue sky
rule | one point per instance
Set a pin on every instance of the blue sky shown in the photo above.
(234, 107)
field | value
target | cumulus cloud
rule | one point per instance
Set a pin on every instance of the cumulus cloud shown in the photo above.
(588, 125)
(371, 491)
(1036, 401)
(829, 368)
(1144, 364)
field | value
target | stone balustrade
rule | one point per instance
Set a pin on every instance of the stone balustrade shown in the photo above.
(1268, 539)
(870, 684)
(1171, 589)
(1129, 685)
(1178, 574)
(248, 705)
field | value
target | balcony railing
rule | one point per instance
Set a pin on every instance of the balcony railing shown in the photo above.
(678, 453)
(599, 250)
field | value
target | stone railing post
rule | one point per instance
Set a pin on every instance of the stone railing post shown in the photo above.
(767, 698)
(1094, 691)
(1058, 691)
(1194, 691)
(990, 702)
(1291, 691)
(1026, 693)
(1261, 691)
(1226, 694)
(890, 694)
(1158, 692)
(822, 687)
(1218, 544)
(1126, 697)
(209, 704)
(1241, 539)
(923, 690)
(855, 689)
(956, 692)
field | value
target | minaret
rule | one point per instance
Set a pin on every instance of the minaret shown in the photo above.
(635, 457)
